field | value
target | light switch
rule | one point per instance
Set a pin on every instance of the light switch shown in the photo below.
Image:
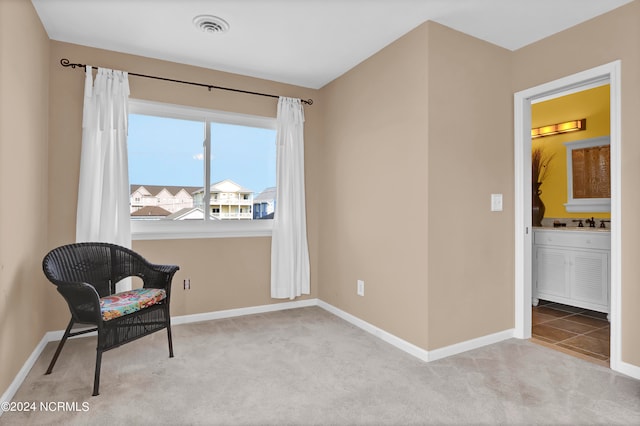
(496, 202)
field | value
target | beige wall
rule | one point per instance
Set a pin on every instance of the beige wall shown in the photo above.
(224, 273)
(471, 255)
(24, 83)
(607, 38)
(417, 137)
(375, 155)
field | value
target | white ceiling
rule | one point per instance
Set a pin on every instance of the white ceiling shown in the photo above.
(302, 42)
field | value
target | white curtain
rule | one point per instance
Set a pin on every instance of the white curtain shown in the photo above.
(103, 192)
(289, 250)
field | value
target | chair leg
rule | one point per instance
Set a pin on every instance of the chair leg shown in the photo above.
(60, 345)
(96, 379)
(170, 341)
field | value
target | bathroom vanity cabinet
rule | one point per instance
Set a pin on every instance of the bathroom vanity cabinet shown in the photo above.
(572, 267)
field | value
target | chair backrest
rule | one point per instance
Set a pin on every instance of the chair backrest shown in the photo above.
(100, 264)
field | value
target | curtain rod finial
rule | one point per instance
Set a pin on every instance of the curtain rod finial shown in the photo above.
(66, 63)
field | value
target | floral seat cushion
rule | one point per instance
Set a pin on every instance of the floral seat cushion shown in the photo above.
(130, 301)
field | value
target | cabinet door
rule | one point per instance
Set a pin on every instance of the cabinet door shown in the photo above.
(552, 272)
(590, 277)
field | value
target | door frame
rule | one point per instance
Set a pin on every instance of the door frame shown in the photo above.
(522, 160)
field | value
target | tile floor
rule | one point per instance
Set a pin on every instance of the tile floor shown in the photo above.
(576, 331)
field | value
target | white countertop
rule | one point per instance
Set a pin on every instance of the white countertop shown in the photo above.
(571, 228)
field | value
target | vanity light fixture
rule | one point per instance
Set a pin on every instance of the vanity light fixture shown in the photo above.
(556, 129)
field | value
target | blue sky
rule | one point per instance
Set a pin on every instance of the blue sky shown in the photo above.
(167, 151)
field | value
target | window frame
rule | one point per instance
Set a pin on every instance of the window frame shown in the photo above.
(584, 205)
(164, 230)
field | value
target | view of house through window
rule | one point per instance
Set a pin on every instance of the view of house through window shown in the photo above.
(168, 167)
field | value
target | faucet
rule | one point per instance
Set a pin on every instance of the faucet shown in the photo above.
(591, 222)
(580, 224)
(602, 223)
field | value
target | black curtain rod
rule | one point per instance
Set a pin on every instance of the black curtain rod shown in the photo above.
(65, 63)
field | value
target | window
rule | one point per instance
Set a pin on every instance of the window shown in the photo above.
(588, 175)
(221, 160)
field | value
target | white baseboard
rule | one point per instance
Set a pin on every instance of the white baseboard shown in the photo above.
(470, 344)
(399, 343)
(410, 348)
(628, 369)
(22, 374)
(230, 313)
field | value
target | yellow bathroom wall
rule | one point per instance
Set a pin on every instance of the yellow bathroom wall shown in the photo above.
(592, 104)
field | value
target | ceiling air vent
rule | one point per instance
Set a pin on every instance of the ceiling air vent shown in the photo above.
(211, 24)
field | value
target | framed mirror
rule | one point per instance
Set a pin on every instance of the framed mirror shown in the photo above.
(588, 175)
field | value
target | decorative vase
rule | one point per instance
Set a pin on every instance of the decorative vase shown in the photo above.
(537, 206)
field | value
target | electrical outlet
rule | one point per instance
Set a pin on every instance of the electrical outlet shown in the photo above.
(360, 289)
(187, 284)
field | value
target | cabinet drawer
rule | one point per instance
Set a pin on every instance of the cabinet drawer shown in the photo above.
(573, 239)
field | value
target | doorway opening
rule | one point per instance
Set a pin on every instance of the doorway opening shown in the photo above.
(570, 262)
(608, 73)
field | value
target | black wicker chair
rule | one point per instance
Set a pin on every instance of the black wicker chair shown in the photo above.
(86, 275)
